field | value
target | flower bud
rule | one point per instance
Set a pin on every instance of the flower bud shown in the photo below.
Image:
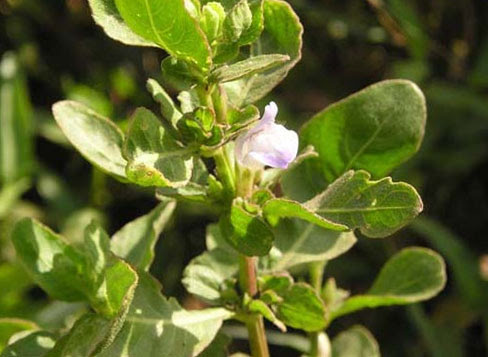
(267, 143)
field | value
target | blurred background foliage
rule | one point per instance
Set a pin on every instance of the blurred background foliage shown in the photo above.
(51, 50)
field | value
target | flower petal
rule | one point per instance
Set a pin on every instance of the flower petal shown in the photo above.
(267, 143)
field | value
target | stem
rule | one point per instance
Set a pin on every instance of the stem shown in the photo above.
(225, 171)
(247, 275)
(257, 336)
(219, 98)
(319, 342)
(317, 275)
(254, 323)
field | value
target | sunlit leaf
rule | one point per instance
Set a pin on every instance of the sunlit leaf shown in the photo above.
(107, 16)
(86, 273)
(375, 129)
(154, 324)
(135, 241)
(170, 26)
(154, 157)
(33, 344)
(97, 138)
(299, 242)
(412, 275)
(10, 326)
(377, 208)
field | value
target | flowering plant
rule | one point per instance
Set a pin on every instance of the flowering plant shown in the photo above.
(287, 203)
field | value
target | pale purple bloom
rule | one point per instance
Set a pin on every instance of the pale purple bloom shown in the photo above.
(267, 143)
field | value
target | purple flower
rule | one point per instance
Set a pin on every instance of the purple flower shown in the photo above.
(267, 143)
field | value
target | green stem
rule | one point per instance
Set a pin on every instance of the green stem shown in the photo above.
(219, 99)
(225, 171)
(319, 341)
(316, 271)
(257, 336)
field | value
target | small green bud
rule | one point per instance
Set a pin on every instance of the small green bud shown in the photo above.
(212, 19)
(237, 21)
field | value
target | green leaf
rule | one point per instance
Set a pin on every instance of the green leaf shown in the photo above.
(246, 232)
(298, 242)
(111, 281)
(154, 157)
(463, 262)
(225, 52)
(106, 15)
(213, 271)
(53, 263)
(97, 138)
(10, 326)
(273, 176)
(16, 127)
(247, 67)
(189, 100)
(238, 20)
(377, 208)
(155, 324)
(135, 241)
(207, 274)
(275, 209)
(215, 239)
(412, 275)
(355, 342)
(376, 129)
(218, 347)
(168, 107)
(34, 344)
(282, 34)
(170, 26)
(301, 308)
(195, 190)
(177, 74)
(198, 127)
(240, 119)
(91, 333)
(89, 273)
